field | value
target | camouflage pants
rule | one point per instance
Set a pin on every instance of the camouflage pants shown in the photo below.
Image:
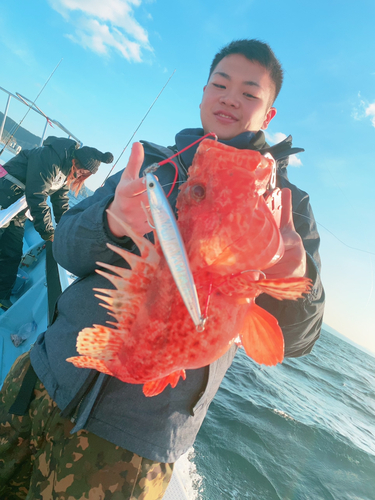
(41, 460)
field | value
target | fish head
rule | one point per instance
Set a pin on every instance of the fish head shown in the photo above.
(223, 218)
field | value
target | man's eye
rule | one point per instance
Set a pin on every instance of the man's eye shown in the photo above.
(251, 96)
(217, 85)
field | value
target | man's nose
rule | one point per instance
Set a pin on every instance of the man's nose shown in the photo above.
(230, 99)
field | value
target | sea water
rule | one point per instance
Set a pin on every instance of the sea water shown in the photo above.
(303, 430)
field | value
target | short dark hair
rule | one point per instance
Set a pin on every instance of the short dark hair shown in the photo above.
(254, 50)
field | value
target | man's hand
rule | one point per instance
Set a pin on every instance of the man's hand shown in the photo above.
(293, 262)
(130, 193)
(48, 236)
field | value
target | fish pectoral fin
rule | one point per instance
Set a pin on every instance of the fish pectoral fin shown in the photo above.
(99, 342)
(262, 338)
(91, 363)
(285, 288)
(155, 387)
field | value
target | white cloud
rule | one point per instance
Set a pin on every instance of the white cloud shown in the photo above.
(104, 25)
(294, 161)
(358, 111)
(363, 110)
(370, 111)
(277, 137)
(274, 138)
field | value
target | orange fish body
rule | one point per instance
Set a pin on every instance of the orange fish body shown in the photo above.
(230, 237)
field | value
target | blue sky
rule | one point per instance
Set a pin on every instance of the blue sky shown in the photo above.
(118, 54)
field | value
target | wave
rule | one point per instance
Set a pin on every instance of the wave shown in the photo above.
(273, 456)
(301, 430)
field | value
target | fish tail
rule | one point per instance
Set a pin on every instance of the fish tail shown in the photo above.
(155, 387)
(261, 336)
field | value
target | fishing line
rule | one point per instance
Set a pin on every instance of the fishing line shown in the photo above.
(172, 184)
(30, 107)
(169, 160)
(136, 130)
(337, 238)
(354, 209)
(153, 168)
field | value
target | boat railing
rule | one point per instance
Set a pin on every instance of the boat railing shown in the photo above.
(7, 214)
(33, 107)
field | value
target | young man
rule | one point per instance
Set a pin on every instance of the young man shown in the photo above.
(101, 436)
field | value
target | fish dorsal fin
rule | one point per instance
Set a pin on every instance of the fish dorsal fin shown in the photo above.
(261, 336)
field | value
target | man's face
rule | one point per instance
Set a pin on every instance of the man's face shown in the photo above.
(237, 98)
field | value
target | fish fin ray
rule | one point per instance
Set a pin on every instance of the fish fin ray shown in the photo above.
(285, 288)
(91, 363)
(261, 336)
(156, 387)
(145, 246)
(122, 272)
(100, 342)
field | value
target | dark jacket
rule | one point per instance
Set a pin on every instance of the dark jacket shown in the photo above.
(163, 427)
(44, 171)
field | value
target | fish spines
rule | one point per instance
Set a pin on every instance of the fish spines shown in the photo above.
(145, 246)
(100, 345)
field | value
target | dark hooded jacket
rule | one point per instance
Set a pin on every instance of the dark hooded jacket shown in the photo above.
(44, 171)
(163, 427)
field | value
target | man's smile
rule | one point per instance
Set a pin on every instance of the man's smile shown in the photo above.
(226, 116)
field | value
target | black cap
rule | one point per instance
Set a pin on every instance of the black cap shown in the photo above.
(90, 158)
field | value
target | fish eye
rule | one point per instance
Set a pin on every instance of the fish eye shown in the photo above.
(198, 192)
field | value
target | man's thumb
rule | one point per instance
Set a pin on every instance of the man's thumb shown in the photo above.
(135, 162)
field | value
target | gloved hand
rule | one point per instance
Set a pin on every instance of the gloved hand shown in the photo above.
(293, 262)
(48, 236)
(130, 193)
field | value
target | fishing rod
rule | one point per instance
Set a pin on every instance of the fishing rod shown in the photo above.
(30, 107)
(136, 130)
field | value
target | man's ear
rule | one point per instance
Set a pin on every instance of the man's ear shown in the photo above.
(204, 88)
(269, 116)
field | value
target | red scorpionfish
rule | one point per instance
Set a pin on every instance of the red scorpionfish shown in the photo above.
(231, 236)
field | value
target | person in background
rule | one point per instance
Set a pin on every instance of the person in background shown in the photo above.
(39, 173)
(77, 433)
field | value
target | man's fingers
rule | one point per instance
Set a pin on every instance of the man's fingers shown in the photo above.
(134, 188)
(286, 213)
(135, 162)
(140, 200)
